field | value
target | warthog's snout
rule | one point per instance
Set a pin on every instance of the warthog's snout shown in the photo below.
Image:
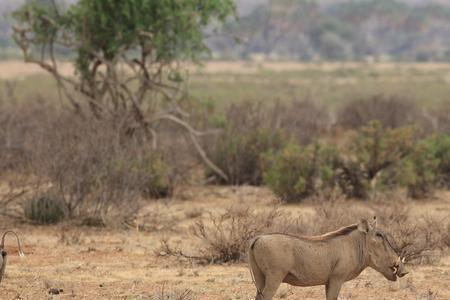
(402, 272)
(400, 269)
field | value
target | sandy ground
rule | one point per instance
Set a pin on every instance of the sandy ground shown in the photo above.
(95, 263)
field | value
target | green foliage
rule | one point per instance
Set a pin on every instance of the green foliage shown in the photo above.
(127, 56)
(296, 172)
(372, 150)
(45, 209)
(238, 155)
(169, 29)
(419, 170)
(441, 149)
(247, 133)
(427, 166)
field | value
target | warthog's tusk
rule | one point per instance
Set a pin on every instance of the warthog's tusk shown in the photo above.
(403, 259)
(395, 270)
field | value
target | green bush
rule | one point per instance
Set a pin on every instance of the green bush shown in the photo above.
(441, 145)
(372, 154)
(247, 132)
(296, 172)
(250, 128)
(418, 171)
(45, 209)
(427, 166)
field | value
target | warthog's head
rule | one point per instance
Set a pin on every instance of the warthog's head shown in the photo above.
(382, 255)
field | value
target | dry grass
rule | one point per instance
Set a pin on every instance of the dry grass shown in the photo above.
(100, 263)
(227, 235)
(224, 236)
(173, 294)
(390, 111)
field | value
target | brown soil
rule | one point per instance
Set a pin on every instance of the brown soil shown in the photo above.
(95, 263)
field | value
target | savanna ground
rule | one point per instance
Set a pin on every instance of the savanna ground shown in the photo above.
(99, 263)
(92, 263)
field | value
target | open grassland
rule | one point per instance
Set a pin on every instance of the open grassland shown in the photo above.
(95, 263)
(329, 83)
(88, 262)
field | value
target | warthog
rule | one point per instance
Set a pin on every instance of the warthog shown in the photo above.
(330, 259)
(4, 254)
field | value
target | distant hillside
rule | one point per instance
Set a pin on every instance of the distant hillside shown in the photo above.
(340, 30)
(414, 30)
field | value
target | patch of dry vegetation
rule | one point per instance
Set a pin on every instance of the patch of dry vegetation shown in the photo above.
(390, 111)
(97, 168)
(173, 294)
(225, 236)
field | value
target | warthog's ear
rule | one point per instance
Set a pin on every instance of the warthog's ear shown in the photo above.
(363, 226)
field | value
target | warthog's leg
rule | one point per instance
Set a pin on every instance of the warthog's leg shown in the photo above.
(3, 265)
(333, 288)
(272, 284)
(257, 276)
(259, 282)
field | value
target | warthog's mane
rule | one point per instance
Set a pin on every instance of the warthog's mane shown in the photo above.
(340, 232)
(326, 236)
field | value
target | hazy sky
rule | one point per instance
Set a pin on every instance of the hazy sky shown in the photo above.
(245, 6)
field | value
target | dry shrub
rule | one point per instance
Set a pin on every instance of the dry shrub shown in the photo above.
(331, 215)
(419, 239)
(173, 294)
(441, 115)
(10, 201)
(176, 145)
(226, 237)
(18, 121)
(97, 168)
(101, 168)
(302, 120)
(416, 238)
(158, 217)
(391, 111)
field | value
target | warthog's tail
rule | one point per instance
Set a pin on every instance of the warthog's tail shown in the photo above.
(255, 271)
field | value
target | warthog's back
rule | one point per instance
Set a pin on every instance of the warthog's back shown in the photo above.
(305, 262)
